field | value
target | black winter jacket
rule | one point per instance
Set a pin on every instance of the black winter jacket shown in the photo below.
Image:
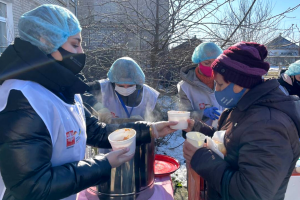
(262, 143)
(293, 89)
(25, 143)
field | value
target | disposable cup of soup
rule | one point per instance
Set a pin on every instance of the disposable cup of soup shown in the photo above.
(196, 139)
(181, 117)
(123, 138)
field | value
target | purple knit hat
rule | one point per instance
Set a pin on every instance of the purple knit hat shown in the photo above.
(243, 64)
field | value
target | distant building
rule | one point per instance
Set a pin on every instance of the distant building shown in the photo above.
(117, 25)
(281, 53)
(112, 29)
(280, 46)
(11, 11)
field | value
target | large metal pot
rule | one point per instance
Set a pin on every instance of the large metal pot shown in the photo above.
(133, 180)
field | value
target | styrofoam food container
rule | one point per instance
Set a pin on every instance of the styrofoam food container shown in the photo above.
(196, 139)
(116, 140)
(215, 122)
(181, 117)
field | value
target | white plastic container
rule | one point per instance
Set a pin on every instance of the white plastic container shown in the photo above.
(181, 117)
(196, 139)
(123, 138)
(215, 122)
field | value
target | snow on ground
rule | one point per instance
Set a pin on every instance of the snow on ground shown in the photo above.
(167, 148)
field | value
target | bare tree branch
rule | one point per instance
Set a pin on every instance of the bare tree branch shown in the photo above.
(239, 24)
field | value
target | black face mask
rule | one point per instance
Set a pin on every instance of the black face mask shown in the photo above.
(72, 61)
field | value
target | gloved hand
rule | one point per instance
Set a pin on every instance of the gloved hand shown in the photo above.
(117, 157)
(211, 113)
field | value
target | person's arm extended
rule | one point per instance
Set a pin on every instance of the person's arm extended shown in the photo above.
(26, 152)
(97, 132)
(199, 126)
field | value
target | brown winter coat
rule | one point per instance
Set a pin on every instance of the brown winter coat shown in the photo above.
(262, 143)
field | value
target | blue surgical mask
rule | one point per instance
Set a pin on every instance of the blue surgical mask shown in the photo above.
(227, 98)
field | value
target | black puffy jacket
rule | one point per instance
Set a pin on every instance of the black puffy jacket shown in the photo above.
(25, 143)
(262, 143)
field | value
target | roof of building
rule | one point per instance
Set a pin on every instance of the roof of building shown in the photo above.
(193, 42)
(281, 43)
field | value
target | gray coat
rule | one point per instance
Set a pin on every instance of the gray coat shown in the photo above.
(194, 95)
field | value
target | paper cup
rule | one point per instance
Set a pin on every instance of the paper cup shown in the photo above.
(123, 138)
(196, 139)
(181, 117)
(215, 122)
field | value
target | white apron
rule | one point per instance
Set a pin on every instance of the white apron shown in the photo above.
(199, 98)
(111, 101)
(65, 122)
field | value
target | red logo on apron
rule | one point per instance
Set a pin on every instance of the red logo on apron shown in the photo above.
(201, 106)
(70, 138)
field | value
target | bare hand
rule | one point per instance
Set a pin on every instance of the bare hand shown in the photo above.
(117, 157)
(191, 124)
(161, 129)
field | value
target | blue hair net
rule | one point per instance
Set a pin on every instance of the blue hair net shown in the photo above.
(294, 69)
(126, 71)
(206, 51)
(48, 27)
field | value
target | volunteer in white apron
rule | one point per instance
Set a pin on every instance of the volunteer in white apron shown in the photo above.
(197, 88)
(44, 126)
(124, 95)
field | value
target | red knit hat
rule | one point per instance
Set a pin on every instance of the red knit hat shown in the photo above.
(243, 64)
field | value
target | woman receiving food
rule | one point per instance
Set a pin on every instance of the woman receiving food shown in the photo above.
(261, 130)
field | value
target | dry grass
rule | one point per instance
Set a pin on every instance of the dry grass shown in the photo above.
(272, 74)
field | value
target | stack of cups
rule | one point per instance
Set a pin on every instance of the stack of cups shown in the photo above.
(195, 183)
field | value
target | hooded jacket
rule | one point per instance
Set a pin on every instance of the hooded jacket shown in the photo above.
(25, 142)
(289, 83)
(194, 95)
(262, 144)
